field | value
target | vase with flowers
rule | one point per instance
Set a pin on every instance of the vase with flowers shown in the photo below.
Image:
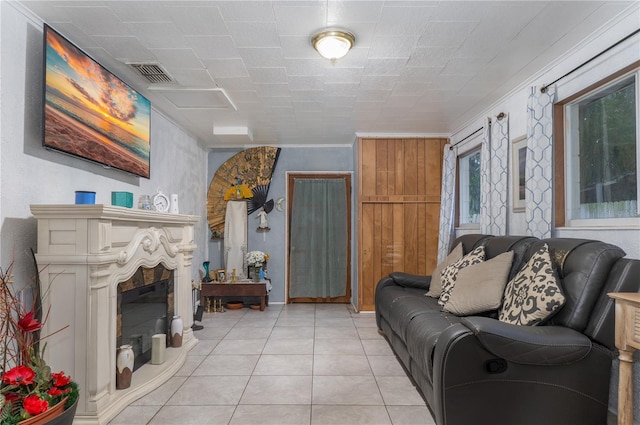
(30, 393)
(257, 260)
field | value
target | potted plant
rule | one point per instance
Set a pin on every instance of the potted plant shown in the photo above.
(29, 392)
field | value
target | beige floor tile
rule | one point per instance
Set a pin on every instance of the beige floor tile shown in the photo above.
(284, 364)
(227, 365)
(352, 415)
(210, 391)
(386, 366)
(292, 332)
(296, 321)
(289, 346)
(369, 333)
(271, 415)
(410, 415)
(376, 347)
(212, 331)
(399, 391)
(346, 390)
(192, 415)
(190, 364)
(335, 321)
(338, 347)
(278, 390)
(342, 332)
(240, 346)
(135, 415)
(340, 365)
(248, 333)
(365, 320)
(204, 347)
(256, 322)
(162, 394)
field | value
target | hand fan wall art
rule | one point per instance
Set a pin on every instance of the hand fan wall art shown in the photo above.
(250, 169)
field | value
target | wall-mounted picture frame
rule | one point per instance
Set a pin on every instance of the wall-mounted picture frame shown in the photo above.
(221, 275)
(518, 165)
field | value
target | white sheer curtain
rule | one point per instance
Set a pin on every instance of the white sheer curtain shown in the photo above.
(494, 176)
(447, 202)
(235, 238)
(539, 167)
(485, 179)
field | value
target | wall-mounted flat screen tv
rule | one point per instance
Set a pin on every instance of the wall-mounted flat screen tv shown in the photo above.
(91, 113)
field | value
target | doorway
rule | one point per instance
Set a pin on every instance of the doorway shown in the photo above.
(319, 237)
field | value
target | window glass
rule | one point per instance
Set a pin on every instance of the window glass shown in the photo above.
(469, 185)
(603, 153)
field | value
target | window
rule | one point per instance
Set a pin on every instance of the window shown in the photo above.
(469, 188)
(602, 155)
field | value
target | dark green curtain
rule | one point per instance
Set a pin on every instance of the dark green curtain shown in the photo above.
(318, 238)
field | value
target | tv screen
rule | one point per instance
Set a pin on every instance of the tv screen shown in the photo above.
(91, 113)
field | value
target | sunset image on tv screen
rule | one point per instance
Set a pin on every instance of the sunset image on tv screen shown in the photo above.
(91, 113)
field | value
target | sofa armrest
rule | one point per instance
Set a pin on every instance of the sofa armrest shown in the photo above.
(533, 345)
(411, 280)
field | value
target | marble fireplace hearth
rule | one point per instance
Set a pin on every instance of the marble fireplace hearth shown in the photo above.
(84, 252)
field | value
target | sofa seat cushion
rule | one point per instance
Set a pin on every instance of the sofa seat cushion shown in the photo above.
(390, 295)
(406, 308)
(421, 337)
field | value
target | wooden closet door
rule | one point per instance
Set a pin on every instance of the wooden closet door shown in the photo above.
(398, 209)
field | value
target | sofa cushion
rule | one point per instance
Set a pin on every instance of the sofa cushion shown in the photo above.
(406, 308)
(435, 290)
(480, 287)
(450, 273)
(534, 294)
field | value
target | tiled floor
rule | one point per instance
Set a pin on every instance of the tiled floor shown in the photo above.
(296, 364)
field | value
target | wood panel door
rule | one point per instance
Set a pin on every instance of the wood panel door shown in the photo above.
(398, 209)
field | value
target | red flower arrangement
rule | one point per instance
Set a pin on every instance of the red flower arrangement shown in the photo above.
(27, 385)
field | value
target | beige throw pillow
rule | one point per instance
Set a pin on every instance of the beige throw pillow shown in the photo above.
(435, 288)
(450, 273)
(534, 294)
(480, 287)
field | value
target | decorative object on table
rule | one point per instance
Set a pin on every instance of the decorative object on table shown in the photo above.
(84, 197)
(176, 331)
(235, 305)
(256, 260)
(158, 348)
(235, 236)
(161, 201)
(28, 388)
(234, 276)
(255, 167)
(122, 199)
(221, 275)
(174, 204)
(144, 203)
(206, 277)
(124, 366)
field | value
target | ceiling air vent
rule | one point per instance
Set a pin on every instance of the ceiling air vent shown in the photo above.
(154, 73)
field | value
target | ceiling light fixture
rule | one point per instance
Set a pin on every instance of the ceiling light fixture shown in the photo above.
(333, 44)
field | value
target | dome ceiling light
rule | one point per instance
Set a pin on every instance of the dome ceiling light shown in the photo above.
(333, 44)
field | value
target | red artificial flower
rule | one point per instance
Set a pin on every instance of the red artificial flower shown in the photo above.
(34, 405)
(28, 323)
(19, 375)
(55, 391)
(11, 397)
(60, 379)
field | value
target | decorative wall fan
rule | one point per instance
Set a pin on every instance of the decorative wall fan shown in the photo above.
(254, 168)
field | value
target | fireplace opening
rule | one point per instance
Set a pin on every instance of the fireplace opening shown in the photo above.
(145, 308)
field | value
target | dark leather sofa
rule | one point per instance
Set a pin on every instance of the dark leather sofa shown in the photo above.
(477, 370)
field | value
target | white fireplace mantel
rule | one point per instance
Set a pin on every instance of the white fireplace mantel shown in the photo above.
(84, 251)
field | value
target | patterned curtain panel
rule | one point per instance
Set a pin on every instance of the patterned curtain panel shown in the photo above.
(447, 202)
(485, 179)
(539, 167)
(499, 195)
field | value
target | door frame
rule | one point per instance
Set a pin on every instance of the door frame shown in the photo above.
(348, 176)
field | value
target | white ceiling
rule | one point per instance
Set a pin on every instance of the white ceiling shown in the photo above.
(417, 67)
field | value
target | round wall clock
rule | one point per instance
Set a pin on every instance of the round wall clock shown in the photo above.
(161, 202)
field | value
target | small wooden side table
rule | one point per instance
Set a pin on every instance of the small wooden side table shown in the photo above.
(238, 289)
(627, 341)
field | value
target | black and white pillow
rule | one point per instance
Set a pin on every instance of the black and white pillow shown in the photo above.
(450, 273)
(534, 294)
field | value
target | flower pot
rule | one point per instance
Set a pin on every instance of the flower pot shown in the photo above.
(48, 415)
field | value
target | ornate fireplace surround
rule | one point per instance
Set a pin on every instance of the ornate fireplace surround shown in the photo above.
(84, 252)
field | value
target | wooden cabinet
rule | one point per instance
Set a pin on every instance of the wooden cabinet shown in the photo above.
(398, 209)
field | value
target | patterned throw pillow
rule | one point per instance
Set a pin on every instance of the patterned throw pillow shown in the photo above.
(534, 294)
(450, 273)
(435, 288)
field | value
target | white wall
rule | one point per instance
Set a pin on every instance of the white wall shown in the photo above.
(29, 174)
(515, 104)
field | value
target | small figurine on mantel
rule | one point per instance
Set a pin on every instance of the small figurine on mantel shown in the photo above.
(262, 216)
